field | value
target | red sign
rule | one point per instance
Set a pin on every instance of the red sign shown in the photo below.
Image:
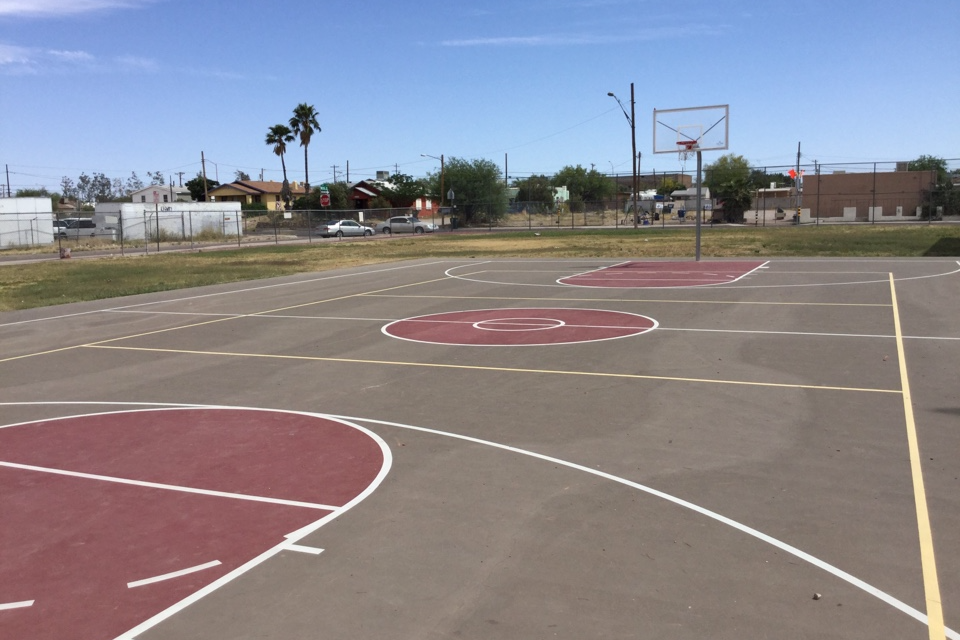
(324, 199)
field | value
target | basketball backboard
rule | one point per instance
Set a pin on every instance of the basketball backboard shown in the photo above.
(691, 129)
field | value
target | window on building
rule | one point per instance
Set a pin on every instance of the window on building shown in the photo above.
(143, 198)
(256, 198)
(165, 198)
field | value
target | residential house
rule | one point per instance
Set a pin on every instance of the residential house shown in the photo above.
(363, 192)
(255, 192)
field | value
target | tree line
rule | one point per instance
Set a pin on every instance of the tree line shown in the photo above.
(481, 194)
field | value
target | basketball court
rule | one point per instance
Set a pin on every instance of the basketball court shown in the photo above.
(490, 449)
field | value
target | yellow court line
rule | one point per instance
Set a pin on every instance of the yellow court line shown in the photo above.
(39, 353)
(931, 584)
(613, 300)
(595, 374)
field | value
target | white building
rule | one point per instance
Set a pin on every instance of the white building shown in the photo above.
(26, 222)
(172, 221)
(161, 193)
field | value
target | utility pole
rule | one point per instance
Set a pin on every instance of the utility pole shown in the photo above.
(203, 166)
(633, 137)
(348, 172)
(180, 173)
(799, 184)
(9, 193)
(334, 167)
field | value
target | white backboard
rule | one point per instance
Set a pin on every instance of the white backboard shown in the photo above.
(707, 128)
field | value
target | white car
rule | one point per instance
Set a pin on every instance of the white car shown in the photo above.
(341, 228)
(407, 224)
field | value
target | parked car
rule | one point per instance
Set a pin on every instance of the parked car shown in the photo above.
(59, 229)
(76, 227)
(406, 224)
(341, 228)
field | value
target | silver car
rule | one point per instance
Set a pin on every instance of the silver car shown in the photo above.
(407, 224)
(341, 228)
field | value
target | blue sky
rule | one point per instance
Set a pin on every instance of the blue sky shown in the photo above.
(121, 86)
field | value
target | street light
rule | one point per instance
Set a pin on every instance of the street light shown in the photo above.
(631, 120)
(427, 155)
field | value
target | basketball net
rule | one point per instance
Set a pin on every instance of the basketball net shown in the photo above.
(684, 149)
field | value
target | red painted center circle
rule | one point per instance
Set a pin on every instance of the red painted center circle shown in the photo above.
(519, 327)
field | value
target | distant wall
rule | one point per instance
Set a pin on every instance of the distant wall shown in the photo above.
(26, 222)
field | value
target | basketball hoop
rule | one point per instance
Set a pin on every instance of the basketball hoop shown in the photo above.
(684, 148)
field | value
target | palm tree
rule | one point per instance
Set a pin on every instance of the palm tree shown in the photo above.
(279, 135)
(303, 124)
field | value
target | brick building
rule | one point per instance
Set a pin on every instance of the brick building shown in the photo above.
(866, 197)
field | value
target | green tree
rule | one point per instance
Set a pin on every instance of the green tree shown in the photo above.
(727, 168)
(931, 163)
(669, 185)
(133, 183)
(941, 195)
(304, 124)
(536, 188)
(196, 188)
(156, 177)
(33, 193)
(68, 188)
(585, 186)
(239, 175)
(760, 179)
(729, 181)
(479, 192)
(734, 197)
(278, 136)
(83, 189)
(339, 195)
(101, 188)
(402, 190)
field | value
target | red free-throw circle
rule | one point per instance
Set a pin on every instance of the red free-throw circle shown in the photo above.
(520, 327)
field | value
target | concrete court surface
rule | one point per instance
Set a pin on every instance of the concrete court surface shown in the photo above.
(740, 468)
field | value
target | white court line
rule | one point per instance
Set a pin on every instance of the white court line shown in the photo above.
(813, 334)
(304, 531)
(173, 574)
(292, 537)
(634, 331)
(168, 487)
(302, 548)
(639, 276)
(16, 605)
(755, 533)
(661, 327)
(468, 277)
(222, 293)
